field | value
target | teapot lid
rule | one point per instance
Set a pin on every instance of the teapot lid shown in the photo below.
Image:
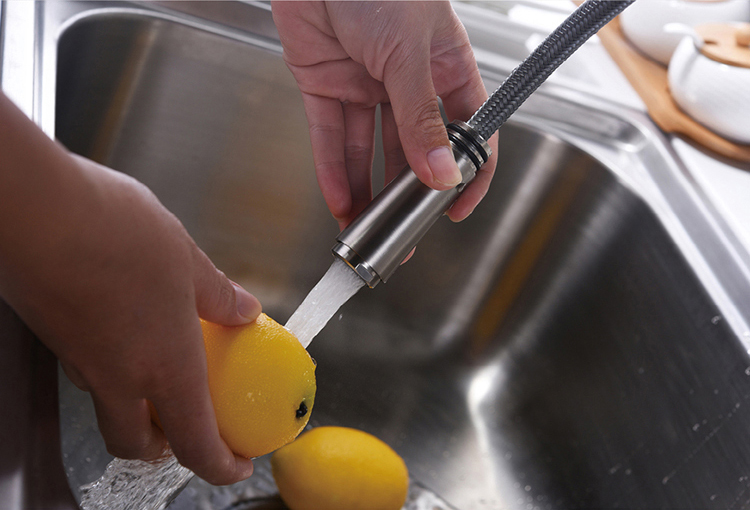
(726, 43)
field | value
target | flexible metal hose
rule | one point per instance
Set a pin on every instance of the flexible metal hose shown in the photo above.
(532, 72)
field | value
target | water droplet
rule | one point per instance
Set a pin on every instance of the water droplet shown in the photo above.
(696, 427)
(527, 488)
(713, 497)
(716, 319)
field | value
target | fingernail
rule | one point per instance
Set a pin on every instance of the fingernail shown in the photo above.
(443, 166)
(247, 305)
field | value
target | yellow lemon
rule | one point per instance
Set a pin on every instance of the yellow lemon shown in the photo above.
(262, 384)
(339, 468)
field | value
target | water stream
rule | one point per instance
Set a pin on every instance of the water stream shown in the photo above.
(336, 287)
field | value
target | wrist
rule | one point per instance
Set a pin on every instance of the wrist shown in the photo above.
(42, 197)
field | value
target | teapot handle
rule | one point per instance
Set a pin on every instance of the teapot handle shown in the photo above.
(686, 30)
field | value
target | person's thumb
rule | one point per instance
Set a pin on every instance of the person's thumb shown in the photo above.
(408, 80)
(220, 300)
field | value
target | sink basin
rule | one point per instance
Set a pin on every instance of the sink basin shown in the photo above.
(578, 342)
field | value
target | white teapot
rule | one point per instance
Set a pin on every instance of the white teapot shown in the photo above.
(709, 77)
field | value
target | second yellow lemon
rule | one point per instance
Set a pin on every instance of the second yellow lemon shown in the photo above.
(339, 468)
(262, 384)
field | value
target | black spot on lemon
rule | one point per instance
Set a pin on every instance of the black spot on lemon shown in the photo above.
(301, 410)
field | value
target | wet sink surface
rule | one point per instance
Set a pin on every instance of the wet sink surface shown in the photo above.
(556, 350)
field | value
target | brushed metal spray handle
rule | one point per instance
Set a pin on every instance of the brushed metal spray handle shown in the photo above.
(377, 241)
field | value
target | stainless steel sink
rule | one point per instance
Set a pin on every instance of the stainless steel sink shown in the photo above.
(579, 342)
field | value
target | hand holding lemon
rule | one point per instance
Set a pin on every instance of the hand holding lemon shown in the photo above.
(262, 384)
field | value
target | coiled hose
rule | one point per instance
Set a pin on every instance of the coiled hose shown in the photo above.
(532, 72)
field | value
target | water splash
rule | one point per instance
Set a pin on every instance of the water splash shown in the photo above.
(136, 485)
(140, 485)
(336, 287)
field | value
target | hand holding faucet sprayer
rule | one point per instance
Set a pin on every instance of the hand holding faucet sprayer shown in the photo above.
(377, 241)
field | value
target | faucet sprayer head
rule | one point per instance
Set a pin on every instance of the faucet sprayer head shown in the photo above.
(377, 241)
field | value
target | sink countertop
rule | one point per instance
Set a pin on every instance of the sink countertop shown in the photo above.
(725, 184)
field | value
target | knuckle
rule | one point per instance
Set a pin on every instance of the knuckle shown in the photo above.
(425, 118)
(359, 153)
(324, 129)
(224, 296)
(427, 114)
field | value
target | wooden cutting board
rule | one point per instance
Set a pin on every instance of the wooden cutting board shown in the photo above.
(649, 79)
